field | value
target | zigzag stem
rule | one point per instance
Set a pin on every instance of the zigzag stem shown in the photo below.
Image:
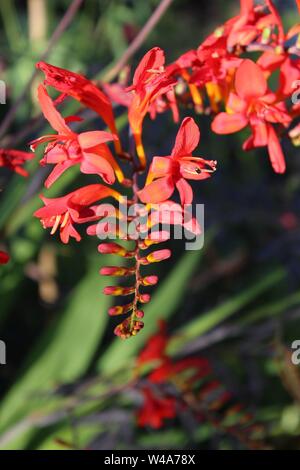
(134, 315)
(132, 324)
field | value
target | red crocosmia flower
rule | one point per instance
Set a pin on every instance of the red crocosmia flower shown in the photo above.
(155, 350)
(4, 257)
(180, 68)
(166, 173)
(215, 62)
(289, 71)
(214, 71)
(240, 30)
(150, 81)
(66, 148)
(75, 207)
(83, 90)
(194, 369)
(288, 78)
(254, 24)
(155, 409)
(155, 347)
(14, 160)
(254, 105)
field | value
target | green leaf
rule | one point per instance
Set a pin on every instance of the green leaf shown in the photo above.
(205, 322)
(271, 309)
(65, 351)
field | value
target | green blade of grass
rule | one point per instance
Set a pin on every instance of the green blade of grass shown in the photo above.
(64, 352)
(271, 309)
(207, 321)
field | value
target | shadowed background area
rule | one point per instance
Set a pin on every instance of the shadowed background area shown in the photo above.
(238, 299)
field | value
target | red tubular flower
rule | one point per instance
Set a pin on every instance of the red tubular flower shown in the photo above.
(289, 68)
(155, 348)
(214, 71)
(150, 82)
(289, 75)
(83, 90)
(155, 352)
(68, 148)
(195, 368)
(74, 208)
(166, 173)
(254, 105)
(155, 409)
(4, 257)
(14, 160)
(192, 379)
(253, 24)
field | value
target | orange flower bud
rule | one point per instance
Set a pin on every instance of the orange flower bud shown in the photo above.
(149, 280)
(156, 257)
(116, 271)
(117, 290)
(114, 248)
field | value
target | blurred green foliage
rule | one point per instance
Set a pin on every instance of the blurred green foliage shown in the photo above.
(63, 341)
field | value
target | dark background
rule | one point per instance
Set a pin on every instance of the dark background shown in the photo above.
(52, 313)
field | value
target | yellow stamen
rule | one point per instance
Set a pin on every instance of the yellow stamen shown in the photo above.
(65, 220)
(195, 93)
(214, 94)
(56, 224)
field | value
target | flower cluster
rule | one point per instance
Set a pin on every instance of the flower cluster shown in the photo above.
(220, 79)
(91, 152)
(170, 386)
(14, 160)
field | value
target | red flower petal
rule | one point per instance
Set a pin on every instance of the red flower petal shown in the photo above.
(275, 152)
(157, 191)
(152, 60)
(187, 138)
(260, 132)
(185, 191)
(94, 164)
(161, 166)
(155, 347)
(87, 195)
(235, 104)
(155, 409)
(4, 257)
(250, 81)
(81, 89)
(59, 169)
(229, 123)
(92, 138)
(246, 6)
(51, 114)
